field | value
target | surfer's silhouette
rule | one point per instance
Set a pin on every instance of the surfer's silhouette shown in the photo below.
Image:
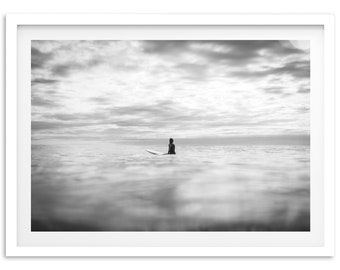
(171, 147)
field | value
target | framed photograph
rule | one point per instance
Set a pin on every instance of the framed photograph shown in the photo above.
(170, 135)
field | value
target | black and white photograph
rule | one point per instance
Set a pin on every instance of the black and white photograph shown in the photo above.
(170, 135)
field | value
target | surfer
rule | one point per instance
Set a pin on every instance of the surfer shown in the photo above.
(171, 147)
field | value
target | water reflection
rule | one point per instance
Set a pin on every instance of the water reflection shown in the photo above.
(107, 187)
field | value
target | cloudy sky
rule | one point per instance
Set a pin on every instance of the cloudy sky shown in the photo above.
(161, 89)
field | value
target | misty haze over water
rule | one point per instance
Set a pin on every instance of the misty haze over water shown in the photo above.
(101, 186)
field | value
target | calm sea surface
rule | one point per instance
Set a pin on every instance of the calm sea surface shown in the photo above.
(120, 187)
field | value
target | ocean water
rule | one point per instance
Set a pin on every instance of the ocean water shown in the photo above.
(102, 186)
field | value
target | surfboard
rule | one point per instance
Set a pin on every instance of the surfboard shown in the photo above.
(155, 152)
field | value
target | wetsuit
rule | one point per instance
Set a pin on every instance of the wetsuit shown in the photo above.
(171, 149)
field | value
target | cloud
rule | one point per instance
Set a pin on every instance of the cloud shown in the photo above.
(157, 108)
(237, 52)
(202, 60)
(273, 89)
(165, 46)
(100, 100)
(161, 115)
(42, 102)
(153, 88)
(96, 116)
(65, 69)
(78, 56)
(39, 59)
(296, 69)
(43, 81)
(304, 90)
(53, 125)
(155, 116)
(247, 122)
(42, 125)
(302, 109)
(193, 71)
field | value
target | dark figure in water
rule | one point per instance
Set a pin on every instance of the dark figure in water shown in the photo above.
(171, 147)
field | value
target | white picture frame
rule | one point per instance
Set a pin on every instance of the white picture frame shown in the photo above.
(14, 161)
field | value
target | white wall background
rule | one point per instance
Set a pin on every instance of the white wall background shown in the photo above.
(158, 6)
